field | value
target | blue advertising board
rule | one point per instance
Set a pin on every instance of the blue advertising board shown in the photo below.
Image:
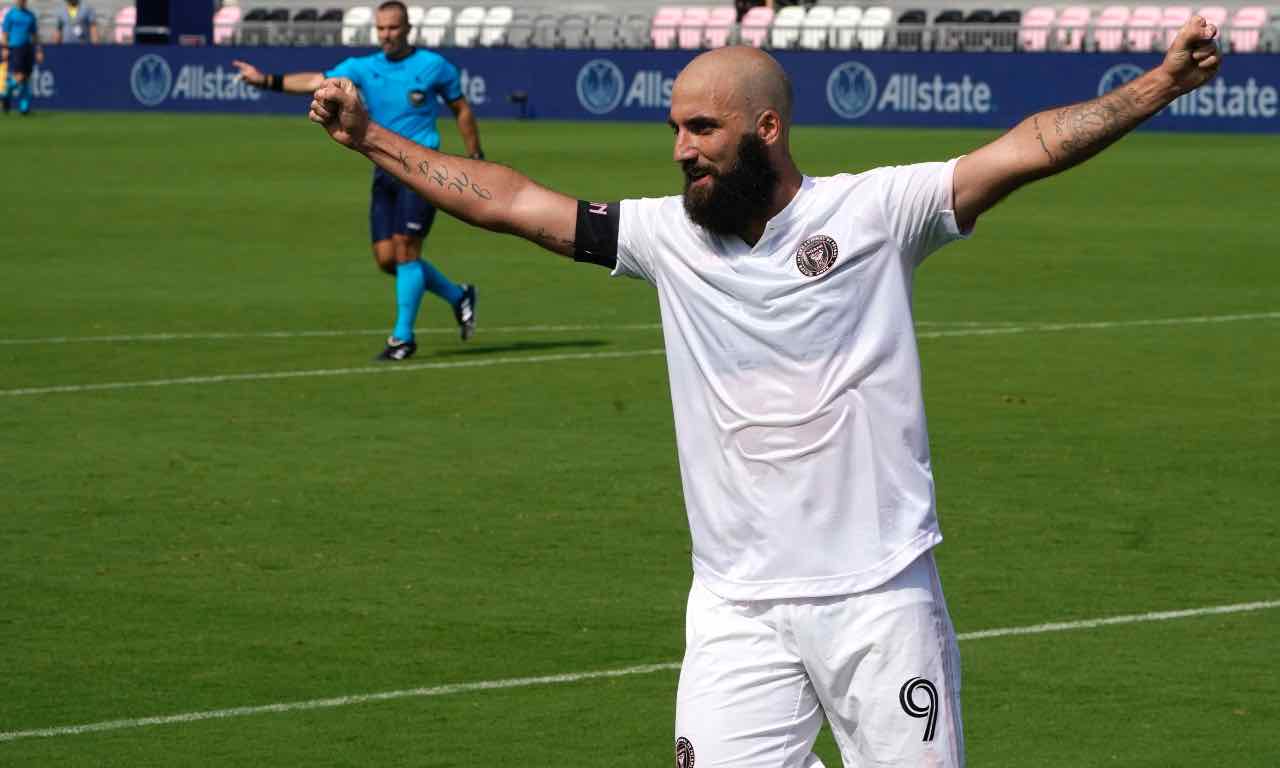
(852, 88)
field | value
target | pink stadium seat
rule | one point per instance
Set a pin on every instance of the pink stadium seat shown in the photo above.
(1214, 14)
(720, 26)
(1109, 34)
(691, 26)
(1172, 20)
(1246, 28)
(224, 24)
(754, 29)
(1034, 33)
(666, 20)
(1143, 25)
(123, 23)
(1071, 27)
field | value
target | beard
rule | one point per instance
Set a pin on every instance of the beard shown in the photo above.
(736, 197)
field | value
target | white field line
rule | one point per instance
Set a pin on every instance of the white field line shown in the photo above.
(573, 677)
(399, 368)
(220, 335)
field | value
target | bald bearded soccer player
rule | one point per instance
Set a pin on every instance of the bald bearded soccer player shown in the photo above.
(795, 385)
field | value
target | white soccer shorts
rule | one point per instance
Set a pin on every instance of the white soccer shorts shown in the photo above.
(882, 666)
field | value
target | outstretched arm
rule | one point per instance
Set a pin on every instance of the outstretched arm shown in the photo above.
(294, 82)
(483, 194)
(1052, 141)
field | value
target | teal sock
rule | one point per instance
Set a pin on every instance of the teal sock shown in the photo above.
(409, 290)
(24, 96)
(440, 285)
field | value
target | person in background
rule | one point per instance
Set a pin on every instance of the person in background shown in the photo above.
(77, 23)
(20, 41)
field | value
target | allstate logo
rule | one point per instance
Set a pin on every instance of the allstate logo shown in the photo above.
(600, 86)
(851, 90)
(150, 79)
(1117, 76)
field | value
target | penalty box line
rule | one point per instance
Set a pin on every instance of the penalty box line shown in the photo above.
(573, 677)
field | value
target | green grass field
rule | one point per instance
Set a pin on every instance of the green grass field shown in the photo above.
(1101, 367)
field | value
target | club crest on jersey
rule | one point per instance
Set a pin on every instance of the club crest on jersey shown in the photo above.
(684, 753)
(416, 98)
(816, 255)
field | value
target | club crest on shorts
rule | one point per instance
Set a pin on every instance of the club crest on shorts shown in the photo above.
(816, 255)
(684, 753)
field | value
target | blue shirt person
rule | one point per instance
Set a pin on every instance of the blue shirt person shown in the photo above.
(404, 86)
(20, 41)
(76, 23)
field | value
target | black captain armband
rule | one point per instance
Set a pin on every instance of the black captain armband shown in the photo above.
(595, 238)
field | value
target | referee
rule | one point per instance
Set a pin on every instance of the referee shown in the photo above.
(400, 86)
(20, 41)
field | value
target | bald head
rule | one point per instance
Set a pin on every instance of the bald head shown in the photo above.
(738, 78)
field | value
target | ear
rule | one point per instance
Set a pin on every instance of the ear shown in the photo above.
(769, 126)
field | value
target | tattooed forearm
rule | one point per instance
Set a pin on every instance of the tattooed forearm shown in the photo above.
(1040, 138)
(438, 174)
(553, 242)
(1083, 130)
(404, 161)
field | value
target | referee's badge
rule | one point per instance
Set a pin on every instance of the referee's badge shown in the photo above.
(416, 98)
(815, 255)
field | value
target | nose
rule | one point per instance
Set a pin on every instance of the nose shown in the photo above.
(685, 148)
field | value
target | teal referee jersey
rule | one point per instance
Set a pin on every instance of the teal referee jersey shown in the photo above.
(401, 95)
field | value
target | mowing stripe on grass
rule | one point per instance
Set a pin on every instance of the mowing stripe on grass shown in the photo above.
(988, 326)
(573, 677)
(406, 367)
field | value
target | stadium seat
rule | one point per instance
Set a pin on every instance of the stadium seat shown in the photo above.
(1143, 28)
(573, 32)
(692, 23)
(224, 24)
(1171, 20)
(816, 29)
(1245, 31)
(1214, 14)
(546, 31)
(253, 27)
(1004, 30)
(302, 27)
(947, 32)
(520, 31)
(329, 27)
(496, 20)
(1071, 27)
(122, 25)
(1109, 33)
(978, 32)
(356, 23)
(416, 14)
(754, 28)
(602, 32)
(1034, 32)
(466, 27)
(844, 27)
(434, 26)
(872, 27)
(633, 30)
(720, 26)
(786, 27)
(666, 22)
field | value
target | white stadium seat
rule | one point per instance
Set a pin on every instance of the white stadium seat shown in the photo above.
(786, 27)
(844, 27)
(496, 20)
(355, 24)
(816, 27)
(466, 28)
(872, 28)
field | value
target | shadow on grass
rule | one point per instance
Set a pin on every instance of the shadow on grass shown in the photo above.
(522, 346)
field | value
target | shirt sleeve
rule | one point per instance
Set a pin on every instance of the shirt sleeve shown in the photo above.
(348, 68)
(919, 208)
(449, 82)
(637, 220)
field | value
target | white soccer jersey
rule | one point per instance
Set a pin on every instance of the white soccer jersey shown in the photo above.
(795, 380)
